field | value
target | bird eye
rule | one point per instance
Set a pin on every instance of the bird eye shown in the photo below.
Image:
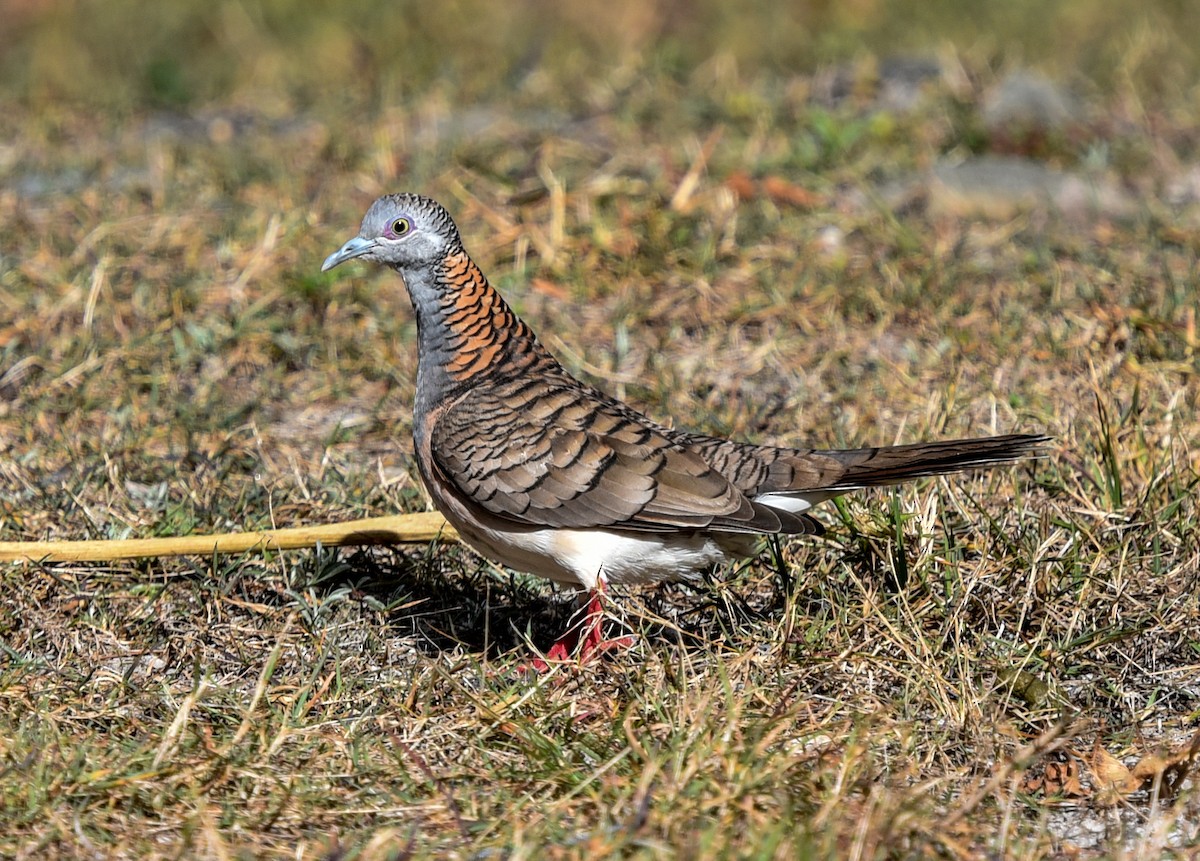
(401, 226)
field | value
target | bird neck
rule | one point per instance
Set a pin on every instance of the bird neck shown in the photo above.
(467, 331)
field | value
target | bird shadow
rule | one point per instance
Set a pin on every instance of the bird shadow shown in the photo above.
(446, 598)
(443, 598)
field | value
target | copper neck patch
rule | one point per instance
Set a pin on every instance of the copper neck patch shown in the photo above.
(479, 324)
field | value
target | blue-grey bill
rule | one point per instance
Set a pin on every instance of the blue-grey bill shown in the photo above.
(356, 247)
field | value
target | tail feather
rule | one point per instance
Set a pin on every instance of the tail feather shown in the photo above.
(876, 467)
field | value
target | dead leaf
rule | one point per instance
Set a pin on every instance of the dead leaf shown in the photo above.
(1148, 768)
(549, 288)
(740, 183)
(1065, 776)
(1112, 780)
(1058, 778)
(1169, 771)
(782, 191)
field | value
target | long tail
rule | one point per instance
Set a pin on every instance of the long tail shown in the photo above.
(875, 467)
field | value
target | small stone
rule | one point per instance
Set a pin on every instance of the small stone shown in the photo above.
(1026, 102)
(1001, 186)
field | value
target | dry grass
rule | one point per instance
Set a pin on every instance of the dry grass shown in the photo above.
(705, 239)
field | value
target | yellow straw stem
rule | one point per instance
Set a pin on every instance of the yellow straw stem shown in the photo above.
(397, 529)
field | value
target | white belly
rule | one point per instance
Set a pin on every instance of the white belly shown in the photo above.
(584, 557)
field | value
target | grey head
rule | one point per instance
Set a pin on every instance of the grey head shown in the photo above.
(404, 231)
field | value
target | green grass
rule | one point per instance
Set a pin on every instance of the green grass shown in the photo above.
(172, 360)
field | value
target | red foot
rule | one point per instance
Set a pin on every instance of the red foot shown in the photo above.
(593, 640)
(590, 644)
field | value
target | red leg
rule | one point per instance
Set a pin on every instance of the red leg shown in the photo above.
(593, 627)
(587, 636)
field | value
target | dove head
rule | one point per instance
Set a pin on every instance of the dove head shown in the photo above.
(404, 231)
